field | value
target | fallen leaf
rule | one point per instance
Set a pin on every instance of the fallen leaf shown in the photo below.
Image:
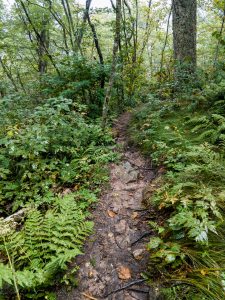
(162, 205)
(203, 272)
(134, 215)
(90, 274)
(124, 273)
(111, 213)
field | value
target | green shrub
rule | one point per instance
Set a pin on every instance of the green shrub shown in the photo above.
(56, 146)
(186, 135)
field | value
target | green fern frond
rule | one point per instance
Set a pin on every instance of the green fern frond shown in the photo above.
(46, 243)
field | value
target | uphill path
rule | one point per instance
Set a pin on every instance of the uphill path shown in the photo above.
(115, 255)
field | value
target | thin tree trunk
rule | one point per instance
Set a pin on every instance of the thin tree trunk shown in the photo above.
(42, 44)
(69, 24)
(21, 82)
(135, 37)
(8, 74)
(114, 60)
(85, 18)
(147, 30)
(166, 39)
(113, 5)
(74, 33)
(38, 36)
(220, 35)
(61, 24)
(97, 46)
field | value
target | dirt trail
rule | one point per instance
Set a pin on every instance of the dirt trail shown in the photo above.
(115, 254)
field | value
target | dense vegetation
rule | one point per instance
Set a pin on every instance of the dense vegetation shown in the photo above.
(67, 70)
(185, 135)
(53, 163)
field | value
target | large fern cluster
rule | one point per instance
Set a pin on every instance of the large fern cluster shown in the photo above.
(45, 244)
(187, 134)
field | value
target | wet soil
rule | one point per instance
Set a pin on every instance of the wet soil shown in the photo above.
(115, 255)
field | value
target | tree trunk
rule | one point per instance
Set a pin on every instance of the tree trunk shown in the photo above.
(85, 17)
(99, 51)
(219, 38)
(42, 45)
(184, 33)
(114, 60)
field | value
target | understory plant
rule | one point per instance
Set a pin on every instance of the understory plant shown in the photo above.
(53, 162)
(185, 135)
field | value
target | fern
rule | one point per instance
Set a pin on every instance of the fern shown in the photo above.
(45, 244)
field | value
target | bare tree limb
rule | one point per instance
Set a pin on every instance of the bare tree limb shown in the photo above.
(166, 38)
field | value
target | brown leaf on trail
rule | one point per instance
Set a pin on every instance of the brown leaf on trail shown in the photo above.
(111, 213)
(162, 205)
(124, 273)
(134, 215)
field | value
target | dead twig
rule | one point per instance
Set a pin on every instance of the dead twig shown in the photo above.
(126, 287)
(141, 237)
(138, 291)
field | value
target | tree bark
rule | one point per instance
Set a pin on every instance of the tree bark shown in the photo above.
(166, 38)
(220, 35)
(184, 32)
(113, 69)
(9, 74)
(97, 46)
(38, 35)
(85, 18)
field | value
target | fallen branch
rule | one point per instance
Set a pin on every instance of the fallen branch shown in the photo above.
(18, 216)
(139, 291)
(141, 237)
(126, 286)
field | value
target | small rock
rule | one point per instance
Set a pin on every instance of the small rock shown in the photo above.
(128, 166)
(138, 254)
(123, 242)
(131, 176)
(121, 226)
(116, 207)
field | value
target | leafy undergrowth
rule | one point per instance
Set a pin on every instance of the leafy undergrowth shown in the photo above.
(187, 135)
(52, 164)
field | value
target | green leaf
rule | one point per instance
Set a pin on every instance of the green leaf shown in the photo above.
(154, 243)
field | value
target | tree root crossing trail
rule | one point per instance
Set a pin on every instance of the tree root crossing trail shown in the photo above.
(115, 255)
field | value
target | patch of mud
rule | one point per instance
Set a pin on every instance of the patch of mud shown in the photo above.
(115, 255)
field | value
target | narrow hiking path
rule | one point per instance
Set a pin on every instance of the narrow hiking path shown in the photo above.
(115, 255)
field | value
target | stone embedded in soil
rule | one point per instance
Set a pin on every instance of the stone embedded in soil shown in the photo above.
(118, 224)
(123, 242)
(131, 176)
(128, 167)
(138, 254)
(121, 226)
